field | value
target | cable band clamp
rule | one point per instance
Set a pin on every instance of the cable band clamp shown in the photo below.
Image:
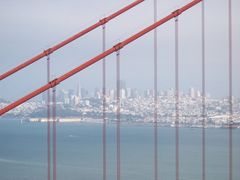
(47, 52)
(53, 83)
(103, 21)
(118, 46)
(176, 13)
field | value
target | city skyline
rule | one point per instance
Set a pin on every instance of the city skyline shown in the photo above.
(85, 107)
(130, 89)
(34, 37)
(125, 92)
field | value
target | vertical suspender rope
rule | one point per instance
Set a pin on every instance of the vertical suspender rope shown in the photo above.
(155, 98)
(118, 117)
(176, 100)
(54, 133)
(48, 121)
(203, 92)
(230, 89)
(104, 103)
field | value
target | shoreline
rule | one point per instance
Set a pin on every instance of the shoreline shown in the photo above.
(99, 121)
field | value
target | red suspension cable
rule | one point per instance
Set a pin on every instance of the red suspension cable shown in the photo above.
(230, 90)
(203, 92)
(104, 105)
(155, 97)
(176, 99)
(98, 57)
(118, 134)
(48, 121)
(54, 133)
(69, 40)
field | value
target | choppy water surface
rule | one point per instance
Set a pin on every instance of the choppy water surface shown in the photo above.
(23, 152)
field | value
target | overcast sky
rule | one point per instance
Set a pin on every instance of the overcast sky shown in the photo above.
(28, 27)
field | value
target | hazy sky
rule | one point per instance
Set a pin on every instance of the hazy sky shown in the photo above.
(28, 27)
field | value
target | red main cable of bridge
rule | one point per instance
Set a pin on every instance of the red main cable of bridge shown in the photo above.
(69, 40)
(83, 66)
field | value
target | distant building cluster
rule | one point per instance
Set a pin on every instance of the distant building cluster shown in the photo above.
(74, 97)
(136, 106)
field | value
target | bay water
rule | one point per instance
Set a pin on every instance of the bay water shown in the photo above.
(23, 152)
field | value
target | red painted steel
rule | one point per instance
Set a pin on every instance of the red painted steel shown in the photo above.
(118, 105)
(98, 57)
(54, 136)
(48, 120)
(104, 105)
(176, 99)
(69, 40)
(155, 96)
(203, 95)
(230, 91)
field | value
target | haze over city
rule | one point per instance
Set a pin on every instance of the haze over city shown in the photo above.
(28, 28)
(125, 90)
